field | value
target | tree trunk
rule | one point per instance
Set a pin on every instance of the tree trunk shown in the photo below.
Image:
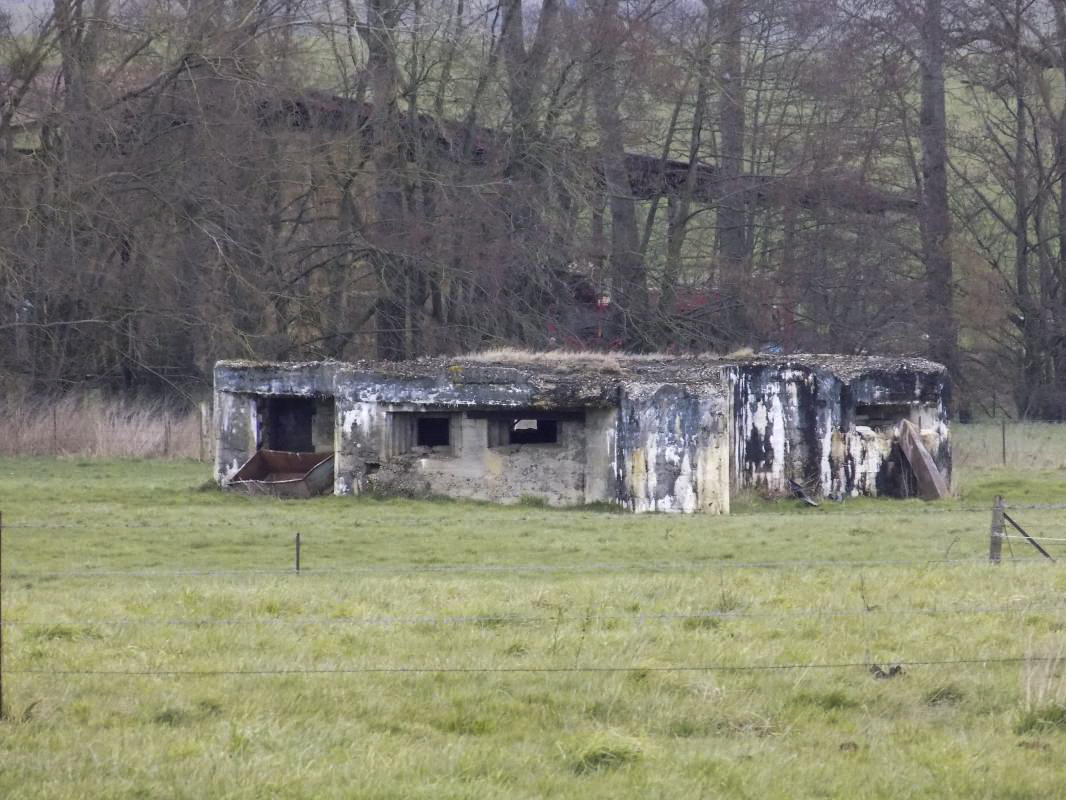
(732, 236)
(628, 274)
(936, 212)
(680, 208)
(388, 159)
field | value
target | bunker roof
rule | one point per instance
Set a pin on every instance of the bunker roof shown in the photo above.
(594, 368)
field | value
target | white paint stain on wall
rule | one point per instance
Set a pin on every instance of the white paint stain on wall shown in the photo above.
(764, 417)
(685, 487)
(827, 450)
(678, 457)
(868, 450)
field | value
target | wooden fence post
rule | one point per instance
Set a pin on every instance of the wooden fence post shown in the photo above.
(995, 544)
(205, 429)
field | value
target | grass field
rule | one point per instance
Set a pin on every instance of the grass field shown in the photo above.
(158, 643)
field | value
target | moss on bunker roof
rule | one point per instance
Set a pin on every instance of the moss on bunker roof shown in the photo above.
(589, 367)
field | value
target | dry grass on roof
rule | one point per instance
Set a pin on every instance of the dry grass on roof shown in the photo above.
(553, 359)
(588, 360)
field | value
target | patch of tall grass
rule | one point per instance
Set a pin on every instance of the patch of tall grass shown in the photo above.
(94, 427)
(1029, 445)
(1044, 689)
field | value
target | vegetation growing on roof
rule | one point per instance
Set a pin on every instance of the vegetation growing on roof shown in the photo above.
(588, 360)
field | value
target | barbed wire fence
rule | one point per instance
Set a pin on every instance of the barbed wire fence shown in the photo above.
(998, 536)
(829, 510)
(625, 668)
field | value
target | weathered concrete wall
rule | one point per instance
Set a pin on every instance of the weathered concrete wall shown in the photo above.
(834, 437)
(466, 386)
(784, 419)
(926, 396)
(601, 456)
(564, 473)
(868, 461)
(673, 448)
(299, 379)
(359, 428)
(236, 431)
(554, 473)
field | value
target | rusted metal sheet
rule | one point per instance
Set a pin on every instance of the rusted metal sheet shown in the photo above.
(285, 474)
(931, 484)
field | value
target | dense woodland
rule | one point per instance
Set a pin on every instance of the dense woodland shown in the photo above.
(187, 180)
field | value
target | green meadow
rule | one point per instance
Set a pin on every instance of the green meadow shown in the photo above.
(158, 642)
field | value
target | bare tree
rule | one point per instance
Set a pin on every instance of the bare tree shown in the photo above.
(454, 174)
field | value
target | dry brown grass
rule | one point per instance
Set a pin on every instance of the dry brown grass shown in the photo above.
(591, 359)
(553, 359)
(92, 427)
(1029, 445)
(1044, 675)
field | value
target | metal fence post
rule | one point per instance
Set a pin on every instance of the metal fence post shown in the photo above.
(995, 544)
(1, 615)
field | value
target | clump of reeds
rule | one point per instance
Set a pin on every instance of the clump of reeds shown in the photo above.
(1044, 687)
(95, 427)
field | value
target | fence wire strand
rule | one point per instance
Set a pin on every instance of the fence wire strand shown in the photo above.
(534, 619)
(557, 513)
(715, 565)
(413, 669)
(834, 510)
(506, 569)
(639, 618)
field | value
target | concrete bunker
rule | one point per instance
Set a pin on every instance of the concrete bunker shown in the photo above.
(650, 433)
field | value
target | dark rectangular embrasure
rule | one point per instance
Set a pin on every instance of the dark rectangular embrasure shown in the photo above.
(289, 423)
